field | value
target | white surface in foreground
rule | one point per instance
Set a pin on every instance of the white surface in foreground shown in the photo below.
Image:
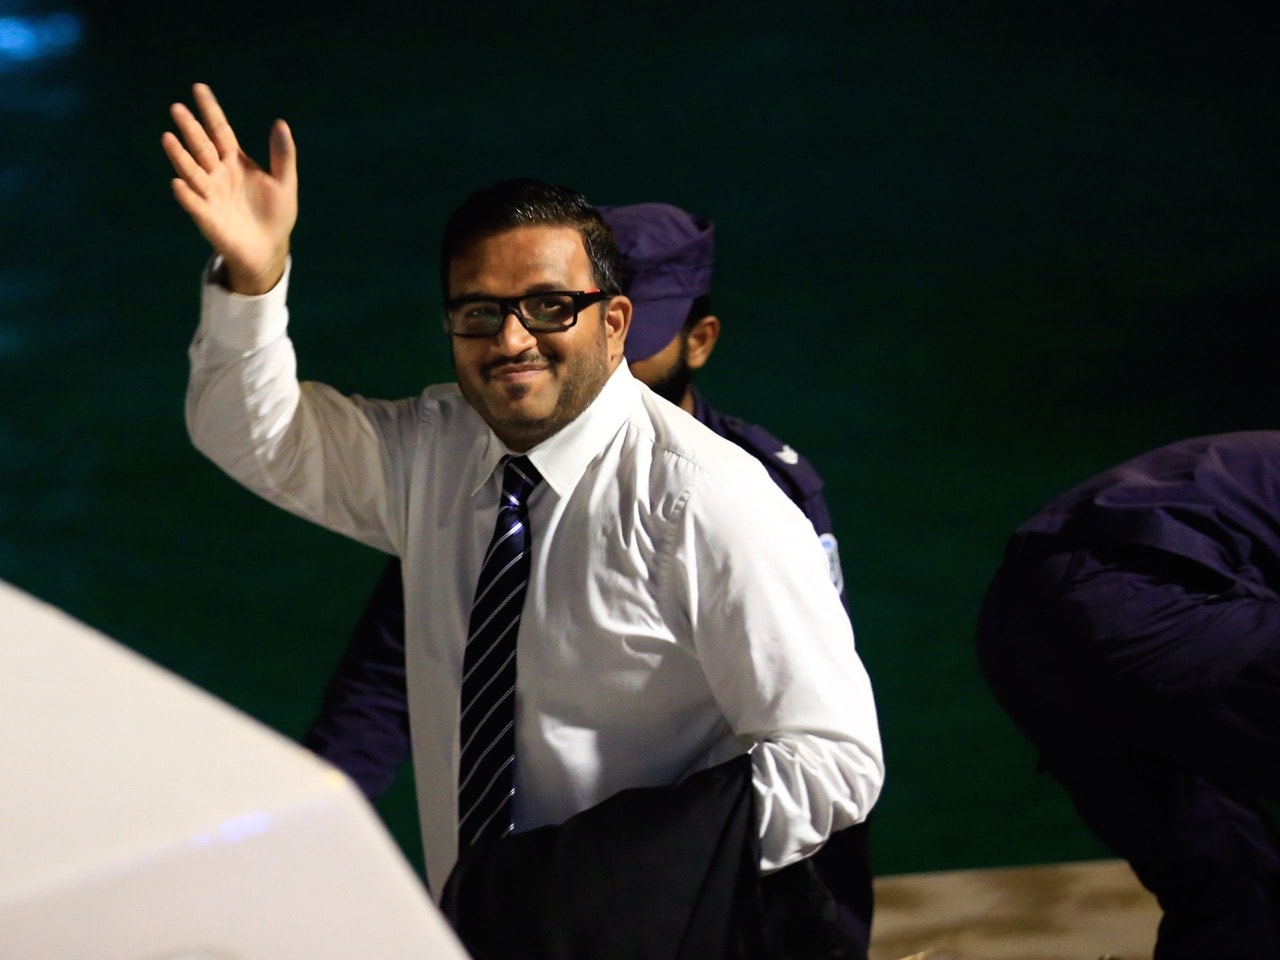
(143, 819)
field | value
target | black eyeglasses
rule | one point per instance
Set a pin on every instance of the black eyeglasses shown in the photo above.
(548, 312)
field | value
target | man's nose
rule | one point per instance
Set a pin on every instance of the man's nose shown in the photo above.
(512, 337)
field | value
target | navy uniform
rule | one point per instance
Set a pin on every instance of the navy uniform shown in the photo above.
(789, 470)
(1133, 633)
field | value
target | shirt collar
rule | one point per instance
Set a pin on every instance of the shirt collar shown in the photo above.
(562, 458)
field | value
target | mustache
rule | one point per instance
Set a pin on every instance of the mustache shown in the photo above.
(551, 359)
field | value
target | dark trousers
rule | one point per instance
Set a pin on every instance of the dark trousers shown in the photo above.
(1150, 685)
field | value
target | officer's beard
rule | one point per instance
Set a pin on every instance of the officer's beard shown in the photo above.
(674, 384)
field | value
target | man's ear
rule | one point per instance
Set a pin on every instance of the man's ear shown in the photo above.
(617, 320)
(702, 340)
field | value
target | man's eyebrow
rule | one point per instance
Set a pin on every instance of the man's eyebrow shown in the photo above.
(532, 288)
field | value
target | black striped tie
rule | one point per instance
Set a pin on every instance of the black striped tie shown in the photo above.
(486, 767)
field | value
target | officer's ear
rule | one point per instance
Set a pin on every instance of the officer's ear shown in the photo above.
(702, 339)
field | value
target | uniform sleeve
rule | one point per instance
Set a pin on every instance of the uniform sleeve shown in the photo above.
(363, 726)
(794, 475)
(777, 649)
(305, 447)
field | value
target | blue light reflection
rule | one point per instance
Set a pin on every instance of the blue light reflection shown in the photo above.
(27, 39)
(243, 827)
(236, 829)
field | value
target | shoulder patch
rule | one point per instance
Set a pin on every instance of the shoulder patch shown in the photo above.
(829, 545)
(783, 461)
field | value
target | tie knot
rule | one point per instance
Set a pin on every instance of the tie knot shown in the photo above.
(519, 478)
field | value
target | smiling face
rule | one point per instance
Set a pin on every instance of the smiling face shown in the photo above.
(527, 386)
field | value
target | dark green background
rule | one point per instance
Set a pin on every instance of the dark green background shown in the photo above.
(967, 255)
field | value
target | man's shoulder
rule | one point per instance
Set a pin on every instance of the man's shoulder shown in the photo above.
(679, 455)
(445, 396)
(789, 468)
(438, 409)
(686, 438)
(443, 402)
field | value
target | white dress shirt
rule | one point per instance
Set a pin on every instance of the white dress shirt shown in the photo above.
(679, 610)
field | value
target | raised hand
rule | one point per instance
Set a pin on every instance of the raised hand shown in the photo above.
(245, 212)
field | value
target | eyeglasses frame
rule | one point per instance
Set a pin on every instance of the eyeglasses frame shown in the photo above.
(511, 305)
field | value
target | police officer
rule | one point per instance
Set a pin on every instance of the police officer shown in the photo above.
(668, 256)
(1133, 634)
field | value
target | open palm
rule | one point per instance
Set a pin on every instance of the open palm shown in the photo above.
(245, 212)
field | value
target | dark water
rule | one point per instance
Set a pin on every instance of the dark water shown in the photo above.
(967, 256)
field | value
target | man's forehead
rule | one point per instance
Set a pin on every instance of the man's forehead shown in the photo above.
(533, 255)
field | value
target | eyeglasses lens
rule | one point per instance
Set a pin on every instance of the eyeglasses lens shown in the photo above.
(540, 311)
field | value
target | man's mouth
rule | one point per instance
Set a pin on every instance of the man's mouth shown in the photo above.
(517, 371)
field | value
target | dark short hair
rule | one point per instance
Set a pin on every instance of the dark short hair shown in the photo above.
(527, 202)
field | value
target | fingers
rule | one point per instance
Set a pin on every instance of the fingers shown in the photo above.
(208, 142)
(245, 212)
(215, 122)
(198, 145)
(184, 165)
(284, 154)
(195, 205)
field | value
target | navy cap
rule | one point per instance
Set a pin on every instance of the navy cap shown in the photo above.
(666, 256)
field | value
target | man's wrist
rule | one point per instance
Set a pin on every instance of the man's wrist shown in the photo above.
(251, 285)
